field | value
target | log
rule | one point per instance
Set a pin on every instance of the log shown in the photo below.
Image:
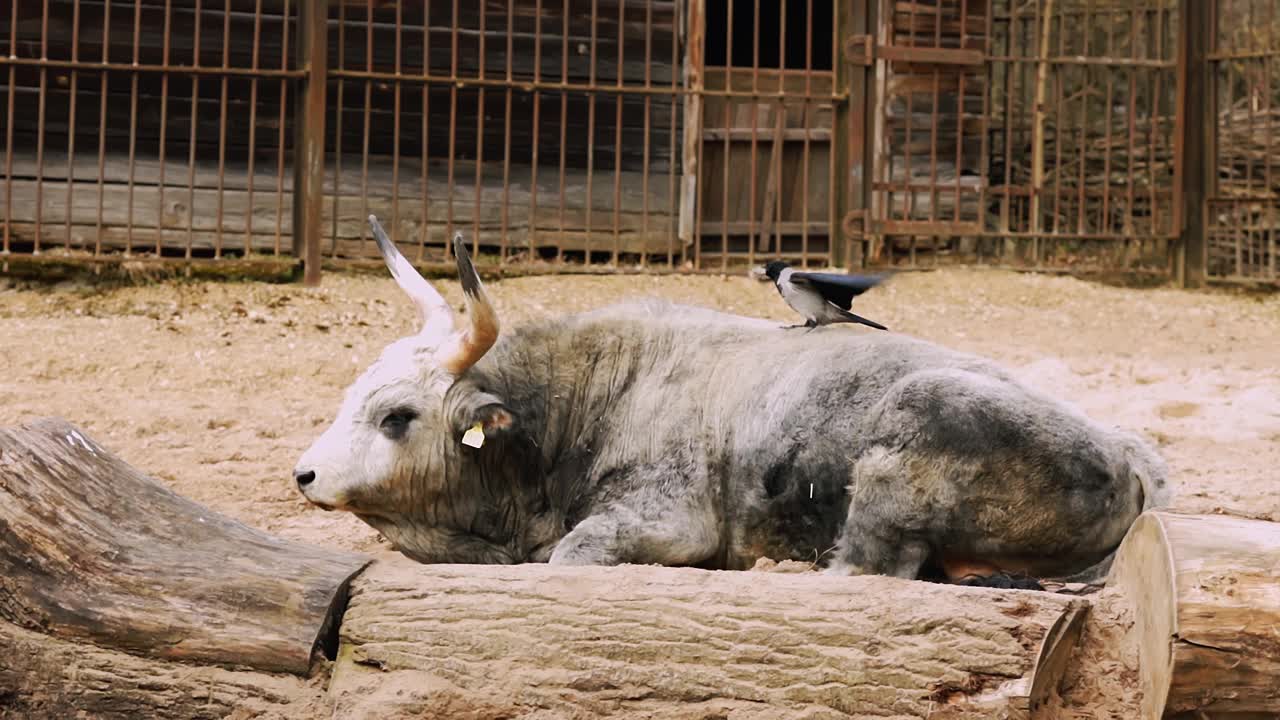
(95, 551)
(1207, 591)
(46, 678)
(537, 640)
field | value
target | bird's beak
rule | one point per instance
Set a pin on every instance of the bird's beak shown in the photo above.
(757, 273)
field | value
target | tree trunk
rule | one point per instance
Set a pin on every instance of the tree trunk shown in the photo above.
(496, 641)
(1207, 593)
(92, 550)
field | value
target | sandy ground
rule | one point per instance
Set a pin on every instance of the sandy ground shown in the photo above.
(218, 388)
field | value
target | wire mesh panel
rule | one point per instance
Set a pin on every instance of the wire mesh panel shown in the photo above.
(1082, 135)
(1244, 204)
(541, 129)
(154, 126)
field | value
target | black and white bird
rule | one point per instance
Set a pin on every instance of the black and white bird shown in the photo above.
(822, 298)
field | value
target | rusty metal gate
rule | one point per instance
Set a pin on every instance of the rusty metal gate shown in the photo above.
(1131, 135)
(1240, 117)
(1026, 133)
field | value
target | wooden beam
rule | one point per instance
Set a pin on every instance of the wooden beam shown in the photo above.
(94, 551)
(308, 148)
(1206, 592)
(694, 62)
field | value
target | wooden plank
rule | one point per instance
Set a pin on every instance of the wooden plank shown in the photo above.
(694, 65)
(125, 563)
(769, 208)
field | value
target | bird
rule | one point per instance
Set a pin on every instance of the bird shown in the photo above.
(822, 298)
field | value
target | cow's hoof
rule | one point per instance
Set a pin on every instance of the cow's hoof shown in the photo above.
(1001, 581)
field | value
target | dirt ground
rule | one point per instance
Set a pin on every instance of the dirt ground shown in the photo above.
(218, 388)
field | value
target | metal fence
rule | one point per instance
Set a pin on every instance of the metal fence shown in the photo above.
(141, 127)
(684, 134)
(1242, 186)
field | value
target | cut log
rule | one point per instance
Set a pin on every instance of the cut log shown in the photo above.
(42, 678)
(1206, 589)
(93, 550)
(496, 641)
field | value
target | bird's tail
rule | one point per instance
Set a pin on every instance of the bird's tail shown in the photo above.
(861, 320)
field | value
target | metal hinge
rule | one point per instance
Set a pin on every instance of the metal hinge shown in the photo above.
(859, 49)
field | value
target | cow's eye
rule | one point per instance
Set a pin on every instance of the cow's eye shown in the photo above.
(396, 423)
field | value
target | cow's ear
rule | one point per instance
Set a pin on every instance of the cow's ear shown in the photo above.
(483, 409)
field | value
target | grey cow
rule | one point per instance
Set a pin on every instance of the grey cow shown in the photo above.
(649, 432)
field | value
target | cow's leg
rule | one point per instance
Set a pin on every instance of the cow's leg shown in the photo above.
(641, 533)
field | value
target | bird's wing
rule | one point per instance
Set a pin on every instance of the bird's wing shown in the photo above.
(836, 288)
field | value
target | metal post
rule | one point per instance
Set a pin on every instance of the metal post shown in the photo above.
(1196, 116)
(308, 146)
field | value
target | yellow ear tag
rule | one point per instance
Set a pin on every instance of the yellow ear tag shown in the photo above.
(474, 437)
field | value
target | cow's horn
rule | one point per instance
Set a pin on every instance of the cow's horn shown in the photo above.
(481, 329)
(436, 315)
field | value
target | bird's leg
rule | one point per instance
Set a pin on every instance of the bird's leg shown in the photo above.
(792, 327)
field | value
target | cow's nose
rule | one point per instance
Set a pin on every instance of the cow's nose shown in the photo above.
(304, 477)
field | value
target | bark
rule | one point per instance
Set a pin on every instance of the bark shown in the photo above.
(1207, 593)
(92, 550)
(42, 677)
(541, 641)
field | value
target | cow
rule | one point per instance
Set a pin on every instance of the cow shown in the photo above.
(649, 432)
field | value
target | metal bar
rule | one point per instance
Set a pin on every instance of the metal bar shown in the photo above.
(222, 128)
(40, 122)
(673, 206)
(164, 124)
(591, 135)
(308, 144)
(617, 139)
(479, 158)
(807, 149)
(727, 149)
(564, 125)
(395, 130)
(191, 138)
(280, 130)
(130, 68)
(755, 151)
(339, 110)
(71, 115)
(253, 130)
(133, 126)
(368, 132)
(453, 127)
(8, 135)
(506, 135)
(644, 170)
(537, 111)
(426, 134)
